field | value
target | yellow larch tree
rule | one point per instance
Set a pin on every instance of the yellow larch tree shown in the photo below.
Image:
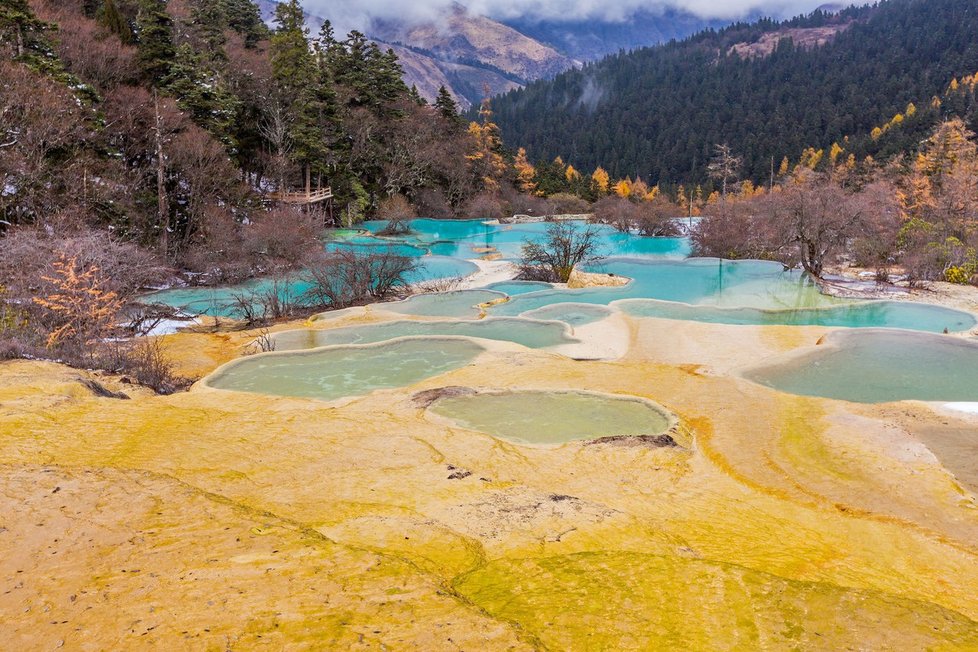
(525, 172)
(600, 180)
(682, 198)
(623, 188)
(834, 152)
(639, 189)
(486, 157)
(571, 174)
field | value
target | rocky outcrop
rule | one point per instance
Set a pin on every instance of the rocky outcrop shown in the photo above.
(579, 279)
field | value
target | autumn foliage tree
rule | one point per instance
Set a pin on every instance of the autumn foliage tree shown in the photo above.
(486, 156)
(77, 304)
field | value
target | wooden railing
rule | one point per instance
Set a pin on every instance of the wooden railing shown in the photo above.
(311, 197)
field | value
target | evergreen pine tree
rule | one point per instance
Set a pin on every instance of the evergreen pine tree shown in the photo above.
(416, 96)
(447, 107)
(21, 33)
(244, 17)
(199, 92)
(154, 47)
(209, 22)
(109, 16)
(299, 88)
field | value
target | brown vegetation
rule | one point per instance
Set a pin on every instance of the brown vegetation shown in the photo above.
(566, 245)
(920, 220)
(656, 217)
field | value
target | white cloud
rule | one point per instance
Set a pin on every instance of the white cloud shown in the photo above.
(357, 14)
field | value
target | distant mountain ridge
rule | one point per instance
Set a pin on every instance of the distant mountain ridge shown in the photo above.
(468, 53)
(590, 40)
(769, 89)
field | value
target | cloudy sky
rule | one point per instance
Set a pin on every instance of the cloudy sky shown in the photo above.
(358, 12)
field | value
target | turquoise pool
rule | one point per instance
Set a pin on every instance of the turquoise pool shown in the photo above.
(664, 283)
(531, 334)
(467, 239)
(223, 302)
(865, 314)
(876, 366)
(462, 304)
(574, 314)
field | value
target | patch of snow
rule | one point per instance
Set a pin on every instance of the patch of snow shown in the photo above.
(170, 326)
(963, 406)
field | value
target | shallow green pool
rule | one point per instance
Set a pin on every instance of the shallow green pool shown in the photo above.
(512, 288)
(343, 371)
(540, 417)
(863, 314)
(575, 314)
(876, 366)
(531, 334)
(462, 304)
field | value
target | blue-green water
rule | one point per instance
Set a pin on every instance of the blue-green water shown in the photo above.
(225, 301)
(575, 314)
(468, 238)
(537, 417)
(877, 366)
(462, 304)
(531, 334)
(512, 288)
(344, 371)
(867, 314)
(675, 287)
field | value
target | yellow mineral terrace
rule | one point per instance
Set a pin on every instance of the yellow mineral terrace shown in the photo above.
(216, 519)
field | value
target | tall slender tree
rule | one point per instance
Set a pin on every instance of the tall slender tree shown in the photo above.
(299, 88)
(154, 46)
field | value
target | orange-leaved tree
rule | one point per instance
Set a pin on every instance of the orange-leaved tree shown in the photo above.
(79, 306)
(525, 172)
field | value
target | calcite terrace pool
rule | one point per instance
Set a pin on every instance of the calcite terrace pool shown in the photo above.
(436, 473)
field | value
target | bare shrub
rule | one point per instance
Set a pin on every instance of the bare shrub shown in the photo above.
(522, 204)
(144, 359)
(440, 284)
(657, 218)
(89, 50)
(283, 238)
(566, 244)
(877, 242)
(485, 206)
(347, 277)
(398, 212)
(275, 300)
(263, 343)
(565, 203)
(432, 202)
(616, 211)
(29, 253)
(731, 235)
(221, 250)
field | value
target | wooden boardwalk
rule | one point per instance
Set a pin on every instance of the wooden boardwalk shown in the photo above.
(301, 198)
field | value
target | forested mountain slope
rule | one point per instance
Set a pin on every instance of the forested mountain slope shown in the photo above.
(466, 51)
(659, 112)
